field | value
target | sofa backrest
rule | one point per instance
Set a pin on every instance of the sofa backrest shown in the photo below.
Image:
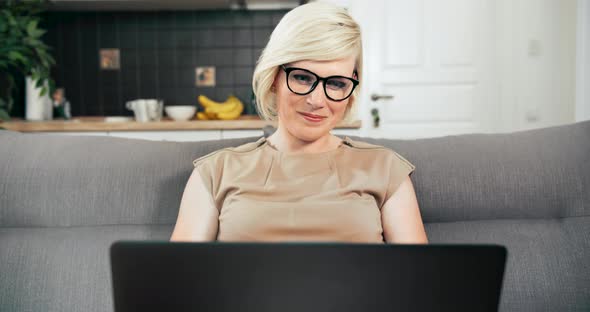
(540, 173)
(57, 180)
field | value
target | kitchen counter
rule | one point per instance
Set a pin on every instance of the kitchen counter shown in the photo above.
(77, 124)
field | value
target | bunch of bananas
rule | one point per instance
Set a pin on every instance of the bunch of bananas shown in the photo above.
(231, 109)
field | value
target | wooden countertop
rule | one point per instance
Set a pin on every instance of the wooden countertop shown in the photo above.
(98, 124)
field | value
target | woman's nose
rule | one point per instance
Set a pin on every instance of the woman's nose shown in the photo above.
(317, 97)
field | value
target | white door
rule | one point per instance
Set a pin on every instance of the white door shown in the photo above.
(430, 64)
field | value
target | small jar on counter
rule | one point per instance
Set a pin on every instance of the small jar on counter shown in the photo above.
(61, 106)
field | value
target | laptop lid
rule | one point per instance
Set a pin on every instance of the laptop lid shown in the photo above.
(224, 277)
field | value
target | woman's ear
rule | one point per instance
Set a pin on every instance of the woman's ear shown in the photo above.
(273, 87)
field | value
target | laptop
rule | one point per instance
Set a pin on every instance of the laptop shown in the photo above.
(285, 277)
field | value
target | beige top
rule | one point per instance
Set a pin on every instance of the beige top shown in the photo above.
(263, 194)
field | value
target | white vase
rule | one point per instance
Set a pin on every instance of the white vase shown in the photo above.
(37, 107)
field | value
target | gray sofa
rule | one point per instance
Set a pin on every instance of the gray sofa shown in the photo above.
(65, 199)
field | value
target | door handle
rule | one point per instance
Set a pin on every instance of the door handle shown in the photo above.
(377, 97)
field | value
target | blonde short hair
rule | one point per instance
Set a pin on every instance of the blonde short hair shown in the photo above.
(315, 31)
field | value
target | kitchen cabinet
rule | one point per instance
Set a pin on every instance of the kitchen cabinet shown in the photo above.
(234, 134)
(164, 130)
(176, 136)
(191, 136)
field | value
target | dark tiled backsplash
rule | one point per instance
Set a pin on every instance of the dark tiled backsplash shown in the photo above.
(159, 52)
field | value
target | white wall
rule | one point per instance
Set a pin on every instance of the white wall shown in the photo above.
(536, 49)
(583, 61)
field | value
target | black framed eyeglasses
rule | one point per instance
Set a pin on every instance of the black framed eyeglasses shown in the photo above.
(302, 81)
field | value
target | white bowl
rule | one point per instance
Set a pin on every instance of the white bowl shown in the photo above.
(180, 112)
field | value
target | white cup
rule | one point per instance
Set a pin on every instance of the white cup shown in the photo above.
(139, 108)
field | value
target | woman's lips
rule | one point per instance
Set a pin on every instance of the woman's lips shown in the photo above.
(313, 118)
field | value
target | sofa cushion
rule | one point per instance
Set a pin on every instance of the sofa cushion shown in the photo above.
(63, 269)
(68, 269)
(547, 267)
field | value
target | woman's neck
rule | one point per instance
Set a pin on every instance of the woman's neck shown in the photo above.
(282, 140)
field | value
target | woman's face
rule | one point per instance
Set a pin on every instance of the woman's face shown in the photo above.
(293, 107)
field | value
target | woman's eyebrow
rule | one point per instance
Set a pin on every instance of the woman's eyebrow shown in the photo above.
(332, 75)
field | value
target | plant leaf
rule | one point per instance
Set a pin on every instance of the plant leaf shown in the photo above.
(16, 56)
(22, 52)
(32, 27)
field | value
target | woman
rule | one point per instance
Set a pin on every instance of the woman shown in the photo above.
(302, 183)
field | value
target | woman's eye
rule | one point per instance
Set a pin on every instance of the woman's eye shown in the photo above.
(303, 78)
(336, 84)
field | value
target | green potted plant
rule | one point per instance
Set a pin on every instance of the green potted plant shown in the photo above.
(22, 52)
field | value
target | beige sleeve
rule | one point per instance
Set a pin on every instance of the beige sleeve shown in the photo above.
(206, 175)
(400, 168)
(207, 168)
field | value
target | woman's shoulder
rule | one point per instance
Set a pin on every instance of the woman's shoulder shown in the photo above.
(376, 151)
(362, 145)
(232, 150)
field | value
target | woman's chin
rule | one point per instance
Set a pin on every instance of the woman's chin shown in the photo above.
(311, 135)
